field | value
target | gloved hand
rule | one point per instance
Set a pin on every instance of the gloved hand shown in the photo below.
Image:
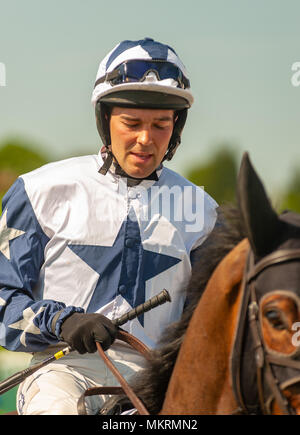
(81, 331)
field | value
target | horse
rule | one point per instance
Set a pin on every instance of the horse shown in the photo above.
(236, 349)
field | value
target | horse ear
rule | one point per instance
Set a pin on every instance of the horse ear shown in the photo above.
(261, 221)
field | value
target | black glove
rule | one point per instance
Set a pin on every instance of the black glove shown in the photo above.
(81, 331)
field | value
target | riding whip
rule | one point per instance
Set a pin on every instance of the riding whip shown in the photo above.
(19, 377)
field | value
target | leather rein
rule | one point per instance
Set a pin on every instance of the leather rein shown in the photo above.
(124, 386)
(263, 358)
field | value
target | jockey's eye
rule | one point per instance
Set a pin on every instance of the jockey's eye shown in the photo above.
(275, 319)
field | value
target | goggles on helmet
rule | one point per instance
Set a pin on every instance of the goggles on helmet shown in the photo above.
(136, 70)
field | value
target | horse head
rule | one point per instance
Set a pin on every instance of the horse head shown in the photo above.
(273, 287)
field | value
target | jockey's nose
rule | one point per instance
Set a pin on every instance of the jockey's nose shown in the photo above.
(145, 137)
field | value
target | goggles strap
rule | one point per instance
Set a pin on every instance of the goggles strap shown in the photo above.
(108, 76)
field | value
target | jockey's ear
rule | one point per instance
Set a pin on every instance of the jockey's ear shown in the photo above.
(263, 226)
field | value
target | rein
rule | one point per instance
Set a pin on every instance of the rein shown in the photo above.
(263, 358)
(124, 388)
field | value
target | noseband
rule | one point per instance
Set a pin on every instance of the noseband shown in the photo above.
(263, 358)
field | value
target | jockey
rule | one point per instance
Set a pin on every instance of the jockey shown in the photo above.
(84, 240)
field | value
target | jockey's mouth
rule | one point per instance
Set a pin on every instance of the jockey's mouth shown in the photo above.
(141, 156)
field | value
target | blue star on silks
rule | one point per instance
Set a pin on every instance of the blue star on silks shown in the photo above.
(123, 267)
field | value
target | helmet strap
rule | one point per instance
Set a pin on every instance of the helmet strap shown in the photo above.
(107, 162)
(176, 136)
(131, 181)
(171, 151)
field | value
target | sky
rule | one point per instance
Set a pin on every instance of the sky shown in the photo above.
(239, 55)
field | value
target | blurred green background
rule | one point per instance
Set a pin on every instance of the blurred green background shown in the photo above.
(239, 56)
(217, 174)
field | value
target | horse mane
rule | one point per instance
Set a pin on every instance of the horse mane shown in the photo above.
(151, 383)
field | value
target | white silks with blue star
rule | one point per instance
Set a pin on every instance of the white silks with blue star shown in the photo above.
(72, 239)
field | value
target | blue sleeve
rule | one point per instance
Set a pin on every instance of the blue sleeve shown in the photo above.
(25, 323)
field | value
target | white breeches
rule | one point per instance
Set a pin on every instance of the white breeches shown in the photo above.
(56, 388)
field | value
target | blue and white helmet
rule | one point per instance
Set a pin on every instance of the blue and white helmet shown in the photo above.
(145, 50)
(144, 74)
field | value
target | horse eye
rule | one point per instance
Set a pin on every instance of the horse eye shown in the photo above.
(275, 319)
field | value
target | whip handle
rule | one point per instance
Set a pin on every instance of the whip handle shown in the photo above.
(159, 299)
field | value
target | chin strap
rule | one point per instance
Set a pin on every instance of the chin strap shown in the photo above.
(107, 162)
(108, 158)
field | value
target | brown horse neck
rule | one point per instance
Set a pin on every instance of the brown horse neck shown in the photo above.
(201, 380)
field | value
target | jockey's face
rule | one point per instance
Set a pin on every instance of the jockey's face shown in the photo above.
(140, 138)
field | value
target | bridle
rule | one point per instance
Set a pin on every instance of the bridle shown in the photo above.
(264, 359)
